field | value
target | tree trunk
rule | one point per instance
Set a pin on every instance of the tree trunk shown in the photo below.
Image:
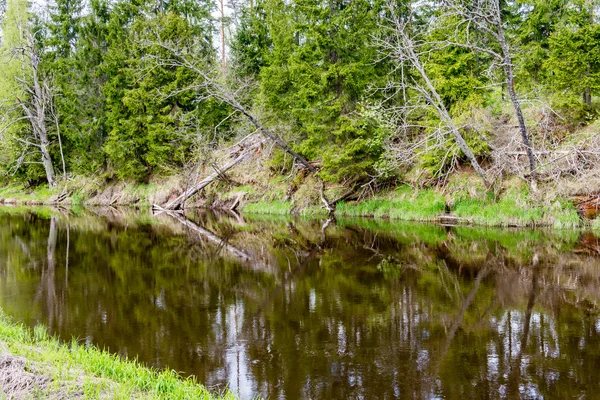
(223, 58)
(445, 115)
(587, 96)
(272, 136)
(38, 118)
(514, 98)
(330, 206)
(47, 161)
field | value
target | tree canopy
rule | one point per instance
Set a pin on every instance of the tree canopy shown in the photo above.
(321, 74)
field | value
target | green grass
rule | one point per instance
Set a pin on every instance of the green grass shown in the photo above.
(403, 204)
(503, 213)
(74, 368)
(515, 208)
(21, 195)
(314, 212)
(269, 207)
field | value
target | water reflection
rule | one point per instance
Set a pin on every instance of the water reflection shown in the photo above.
(307, 309)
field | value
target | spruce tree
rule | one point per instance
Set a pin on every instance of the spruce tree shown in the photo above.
(574, 53)
(321, 65)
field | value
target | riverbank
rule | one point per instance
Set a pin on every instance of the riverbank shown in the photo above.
(36, 365)
(462, 200)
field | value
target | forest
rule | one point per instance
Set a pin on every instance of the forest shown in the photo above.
(350, 98)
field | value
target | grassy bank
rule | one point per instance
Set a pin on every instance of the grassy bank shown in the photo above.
(35, 365)
(459, 202)
(462, 200)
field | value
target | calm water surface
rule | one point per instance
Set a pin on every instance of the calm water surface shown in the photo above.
(306, 309)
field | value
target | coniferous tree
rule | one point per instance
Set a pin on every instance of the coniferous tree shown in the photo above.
(144, 121)
(320, 67)
(574, 52)
(252, 43)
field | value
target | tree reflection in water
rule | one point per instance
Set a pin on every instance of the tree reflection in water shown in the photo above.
(306, 309)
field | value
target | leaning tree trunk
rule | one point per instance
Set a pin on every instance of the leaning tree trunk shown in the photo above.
(40, 100)
(438, 103)
(224, 95)
(178, 202)
(38, 116)
(221, 93)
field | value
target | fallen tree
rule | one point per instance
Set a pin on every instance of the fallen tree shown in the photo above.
(212, 83)
(179, 202)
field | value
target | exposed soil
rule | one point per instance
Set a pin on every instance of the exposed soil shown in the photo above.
(20, 379)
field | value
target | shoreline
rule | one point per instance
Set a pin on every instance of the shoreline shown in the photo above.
(461, 204)
(35, 364)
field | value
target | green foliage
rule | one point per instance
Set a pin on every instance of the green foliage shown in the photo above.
(457, 72)
(15, 20)
(79, 79)
(438, 160)
(144, 125)
(318, 69)
(575, 60)
(539, 20)
(357, 146)
(251, 45)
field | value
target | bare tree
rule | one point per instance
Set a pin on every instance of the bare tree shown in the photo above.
(485, 16)
(401, 45)
(35, 107)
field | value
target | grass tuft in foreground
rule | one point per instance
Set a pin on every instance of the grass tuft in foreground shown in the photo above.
(43, 367)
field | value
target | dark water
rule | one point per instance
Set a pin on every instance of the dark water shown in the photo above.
(295, 309)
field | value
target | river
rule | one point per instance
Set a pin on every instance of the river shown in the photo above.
(295, 308)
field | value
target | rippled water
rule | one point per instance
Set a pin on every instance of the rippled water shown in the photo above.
(313, 309)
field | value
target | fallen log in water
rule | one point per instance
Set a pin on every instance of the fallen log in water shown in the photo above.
(178, 202)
